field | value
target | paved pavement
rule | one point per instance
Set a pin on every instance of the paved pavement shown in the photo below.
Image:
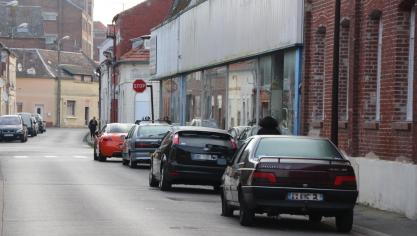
(51, 186)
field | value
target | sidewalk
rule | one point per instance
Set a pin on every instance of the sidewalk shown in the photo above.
(88, 140)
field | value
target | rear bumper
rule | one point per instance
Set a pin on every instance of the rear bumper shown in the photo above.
(274, 199)
(143, 155)
(194, 175)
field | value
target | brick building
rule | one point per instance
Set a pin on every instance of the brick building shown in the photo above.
(99, 32)
(377, 69)
(46, 22)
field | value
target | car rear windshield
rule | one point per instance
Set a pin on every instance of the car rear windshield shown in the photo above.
(120, 128)
(202, 139)
(9, 121)
(153, 131)
(297, 148)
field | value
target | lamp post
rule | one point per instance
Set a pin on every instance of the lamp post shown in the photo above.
(59, 45)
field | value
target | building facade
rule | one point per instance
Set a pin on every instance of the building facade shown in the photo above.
(41, 23)
(7, 81)
(38, 90)
(100, 35)
(235, 74)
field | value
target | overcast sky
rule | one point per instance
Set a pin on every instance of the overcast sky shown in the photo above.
(105, 10)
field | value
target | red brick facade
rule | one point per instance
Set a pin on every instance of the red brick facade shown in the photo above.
(364, 129)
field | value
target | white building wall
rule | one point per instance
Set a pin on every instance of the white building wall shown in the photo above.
(128, 105)
(218, 31)
(105, 94)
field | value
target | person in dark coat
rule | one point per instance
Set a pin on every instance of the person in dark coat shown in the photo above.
(92, 125)
(269, 126)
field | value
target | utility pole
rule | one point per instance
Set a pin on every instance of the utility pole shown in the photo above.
(58, 123)
(335, 87)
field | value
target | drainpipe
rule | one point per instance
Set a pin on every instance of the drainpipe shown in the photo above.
(335, 87)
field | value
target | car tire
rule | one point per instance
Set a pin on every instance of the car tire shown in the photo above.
(164, 185)
(95, 156)
(344, 222)
(125, 162)
(246, 215)
(315, 218)
(216, 188)
(152, 181)
(101, 158)
(131, 163)
(227, 210)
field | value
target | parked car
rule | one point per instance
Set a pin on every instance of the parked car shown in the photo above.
(142, 141)
(12, 128)
(191, 155)
(41, 123)
(246, 133)
(109, 141)
(29, 122)
(35, 124)
(290, 175)
(237, 130)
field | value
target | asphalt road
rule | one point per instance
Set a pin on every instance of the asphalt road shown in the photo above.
(52, 186)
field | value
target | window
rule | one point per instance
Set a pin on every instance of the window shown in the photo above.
(50, 38)
(411, 65)
(51, 16)
(70, 108)
(19, 107)
(378, 75)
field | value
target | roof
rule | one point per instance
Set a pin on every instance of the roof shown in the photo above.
(41, 63)
(136, 55)
(200, 128)
(99, 26)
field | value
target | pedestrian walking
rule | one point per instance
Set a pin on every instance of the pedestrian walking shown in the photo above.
(269, 126)
(92, 125)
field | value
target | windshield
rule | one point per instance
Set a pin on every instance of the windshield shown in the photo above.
(119, 128)
(9, 121)
(297, 148)
(153, 131)
(202, 139)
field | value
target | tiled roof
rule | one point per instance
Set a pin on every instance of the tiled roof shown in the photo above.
(136, 55)
(40, 63)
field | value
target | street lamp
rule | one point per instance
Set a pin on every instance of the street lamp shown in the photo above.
(59, 45)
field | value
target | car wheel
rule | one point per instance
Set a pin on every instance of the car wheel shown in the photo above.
(132, 164)
(216, 188)
(164, 185)
(315, 218)
(22, 139)
(101, 158)
(152, 181)
(344, 222)
(227, 211)
(95, 157)
(125, 162)
(246, 216)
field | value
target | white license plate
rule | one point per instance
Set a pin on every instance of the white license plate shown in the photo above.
(203, 157)
(305, 196)
(8, 135)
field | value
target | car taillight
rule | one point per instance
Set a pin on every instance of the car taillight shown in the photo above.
(176, 140)
(233, 143)
(349, 180)
(260, 177)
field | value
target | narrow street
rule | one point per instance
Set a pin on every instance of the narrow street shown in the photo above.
(52, 186)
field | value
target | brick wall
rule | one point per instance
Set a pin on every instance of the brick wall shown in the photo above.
(361, 133)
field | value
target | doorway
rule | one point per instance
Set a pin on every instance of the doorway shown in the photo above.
(86, 115)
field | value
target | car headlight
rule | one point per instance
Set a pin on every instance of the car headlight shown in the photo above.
(19, 131)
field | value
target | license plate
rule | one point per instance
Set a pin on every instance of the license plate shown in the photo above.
(8, 135)
(305, 196)
(204, 157)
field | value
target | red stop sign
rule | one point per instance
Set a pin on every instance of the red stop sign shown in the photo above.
(139, 86)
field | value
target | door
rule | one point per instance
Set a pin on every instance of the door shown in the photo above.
(142, 105)
(39, 109)
(86, 115)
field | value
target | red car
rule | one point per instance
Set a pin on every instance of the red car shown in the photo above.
(109, 141)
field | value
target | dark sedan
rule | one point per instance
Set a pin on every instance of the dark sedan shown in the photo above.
(141, 141)
(290, 175)
(191, 155)
(12, 128)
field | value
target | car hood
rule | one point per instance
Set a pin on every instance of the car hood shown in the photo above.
(10, 126)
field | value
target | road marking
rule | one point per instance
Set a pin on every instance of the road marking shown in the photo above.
(50, 156)
(20, 157)
(80, 157)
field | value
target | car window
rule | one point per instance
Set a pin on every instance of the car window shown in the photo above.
(131, 131)
(167, 140)
(297, 148)
(119, 128)
(11, 120)
(152, 131)
(239, 152)
(232, 132)
(103, 130)
(202, 139)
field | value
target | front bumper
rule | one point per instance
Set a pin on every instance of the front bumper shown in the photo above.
(274, 199)
(10, 136)
(194, 175)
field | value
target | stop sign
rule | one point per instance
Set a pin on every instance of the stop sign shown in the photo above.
(139, 86)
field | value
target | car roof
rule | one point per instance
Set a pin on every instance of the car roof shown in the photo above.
(199, 128)
(153, 124)
(289, 136)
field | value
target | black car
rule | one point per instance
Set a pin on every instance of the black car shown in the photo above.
(141, 141)
(246, 133)
(41, 123)
(290, 175)
(29, 122)
(12, 128)
(191, 155)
